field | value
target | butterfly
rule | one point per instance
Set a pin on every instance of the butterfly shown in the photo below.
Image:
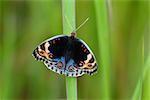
(66, 55)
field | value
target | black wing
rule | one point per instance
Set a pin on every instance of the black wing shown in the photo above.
(79, 58)
(52, 52)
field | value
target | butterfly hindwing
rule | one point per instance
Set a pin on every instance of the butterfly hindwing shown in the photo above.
(56, 65)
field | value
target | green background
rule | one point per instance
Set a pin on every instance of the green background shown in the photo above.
(25, 24)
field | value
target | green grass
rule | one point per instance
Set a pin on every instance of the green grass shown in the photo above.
(121, 71)
(8, 53)
(68, 10)
(104, 44)
(137, 94)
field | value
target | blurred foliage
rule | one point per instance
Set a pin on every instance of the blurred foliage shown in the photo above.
(25, 24)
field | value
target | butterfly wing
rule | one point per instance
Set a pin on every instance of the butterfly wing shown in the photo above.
(52, 52)
(66, 55)
(81, 59)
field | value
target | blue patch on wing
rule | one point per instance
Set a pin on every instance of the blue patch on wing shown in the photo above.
(57, 65)
(72, 70)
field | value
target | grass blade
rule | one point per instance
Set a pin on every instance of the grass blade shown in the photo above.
(138, 90)
(104, 44)
(8, 53)
(69, 12)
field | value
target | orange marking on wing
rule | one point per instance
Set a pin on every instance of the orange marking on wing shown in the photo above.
(59, 64)
(53, 41)
(45, 54)
(86, 62)
(85, 50)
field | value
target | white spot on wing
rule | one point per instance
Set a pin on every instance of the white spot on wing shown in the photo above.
(39, 49)
(93, 63)
(89, 56)
(46, 47)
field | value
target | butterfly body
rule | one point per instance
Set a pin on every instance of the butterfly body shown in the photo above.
(66, 55)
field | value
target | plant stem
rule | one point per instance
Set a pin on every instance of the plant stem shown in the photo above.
(68, 7)
(104, 44)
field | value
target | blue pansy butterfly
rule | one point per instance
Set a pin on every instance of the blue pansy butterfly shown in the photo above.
(66, 55)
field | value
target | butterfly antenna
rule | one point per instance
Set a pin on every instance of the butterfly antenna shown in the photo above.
(81, 25)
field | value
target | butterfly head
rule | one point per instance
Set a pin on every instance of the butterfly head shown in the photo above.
(73, 34)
